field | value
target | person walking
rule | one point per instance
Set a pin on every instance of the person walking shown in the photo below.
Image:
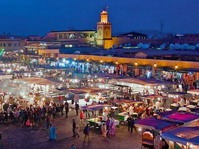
(77, 108)
(62, 109)
(52, 134)
(86, 132)
(133, 125)
(81, 117)
(112, 128)
(77, 132)
(73, 128)
(129, 120)
(48, 119)
(108, 122)
(104, 130)
(66, 109)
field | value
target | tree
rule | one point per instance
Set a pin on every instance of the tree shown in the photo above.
(163, 46)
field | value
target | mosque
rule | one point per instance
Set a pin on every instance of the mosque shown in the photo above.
(101, 37)
(80, 38)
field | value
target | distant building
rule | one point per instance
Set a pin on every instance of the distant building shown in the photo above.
(183, 38)
(11, 43)
(102, 38)
(72, 38)
(134, 35)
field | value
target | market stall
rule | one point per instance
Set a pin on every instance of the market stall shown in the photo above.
(153, 127)
(176, 99)
(152, 99)
(100, 113)
(183, 117)
(182, 138)
(90, 95)
(126, 108)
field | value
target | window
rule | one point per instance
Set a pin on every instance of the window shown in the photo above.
(100, 33)
(9, 44)
(91, 35)
(107, 33)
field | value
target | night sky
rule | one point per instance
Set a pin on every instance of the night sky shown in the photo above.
(37, 17)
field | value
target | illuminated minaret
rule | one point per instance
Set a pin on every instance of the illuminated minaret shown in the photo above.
(104, 30)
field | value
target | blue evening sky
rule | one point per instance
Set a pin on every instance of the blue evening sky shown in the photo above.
(37, 17)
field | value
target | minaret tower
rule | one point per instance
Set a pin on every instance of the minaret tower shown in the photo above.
(104, 31)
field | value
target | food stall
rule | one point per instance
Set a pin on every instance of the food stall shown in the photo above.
(143, 86)
(153, 127)
(186, 118)
(195, 94)
(90, 95)
(126, 108)
(182, 138)
(99, 116)
(152, 99)
(175, 98)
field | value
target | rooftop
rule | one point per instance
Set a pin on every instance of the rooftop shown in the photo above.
(54, 31)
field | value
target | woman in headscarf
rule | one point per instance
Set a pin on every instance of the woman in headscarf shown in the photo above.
(52, 135)
(112, 127)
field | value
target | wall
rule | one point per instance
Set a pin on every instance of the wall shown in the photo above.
(12, 44)
(119, 60)
(49, 52)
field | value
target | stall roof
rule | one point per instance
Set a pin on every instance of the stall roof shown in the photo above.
(156, 124)
(195, 92)
(62, 89)
(143, 81)
(52, 67)
(183, 135)
(5, 77)
(22, 71)
(152, 96)
(39, 81)
(162, 114)
(105, 75)
(180, 116)
(95, 107)
(123, 101)
(120, 85)
(77, 92)
(89, 90)
(177, 93)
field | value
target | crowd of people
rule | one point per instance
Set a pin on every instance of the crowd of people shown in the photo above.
(33, 116)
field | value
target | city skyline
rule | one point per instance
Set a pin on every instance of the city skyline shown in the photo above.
(38, 17)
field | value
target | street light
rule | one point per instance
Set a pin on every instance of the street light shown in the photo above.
(176, 67)
(136, 64)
